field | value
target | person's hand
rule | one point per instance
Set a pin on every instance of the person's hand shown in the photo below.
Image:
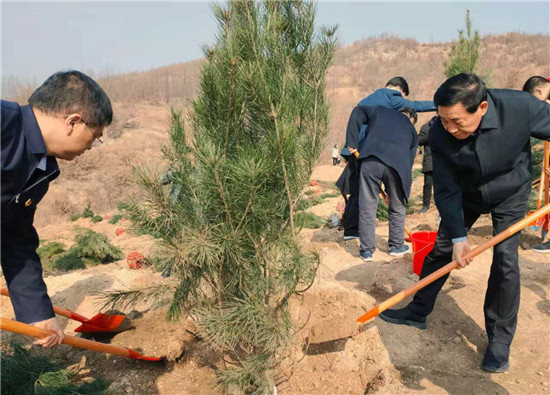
(352, 150)
(385, 197)
(52, 325)
(459, 250)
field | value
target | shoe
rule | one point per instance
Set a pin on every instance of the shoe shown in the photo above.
(423, 210)
(404, 317)
(543, 248)
(350, 237)
(496, 358)
(366, 256)
(399, 251)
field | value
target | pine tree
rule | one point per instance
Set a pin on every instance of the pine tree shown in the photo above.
(464, 54)
(228, 232)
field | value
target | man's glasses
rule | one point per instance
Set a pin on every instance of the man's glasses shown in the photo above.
(97, 139)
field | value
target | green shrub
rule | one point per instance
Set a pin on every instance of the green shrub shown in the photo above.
(329, 195)
(74, 217)
(68, 261)
(115, 218)
(306, 203)
(94, 248)
(308, 220)
(417, 173)
(87, 213)
(23, 373)
(49, 252)
(97, 218)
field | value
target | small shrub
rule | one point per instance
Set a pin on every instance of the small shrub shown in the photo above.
(87, 213)
(310, 192)
(307, 203)
(68, 261)
(49, 252)
(74, 217)
(97, 218)
(115, 218)
(303, 219)
(94, 248)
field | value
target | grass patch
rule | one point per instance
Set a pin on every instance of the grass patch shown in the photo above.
(68, 261)
(330, 195)
(23, 373)
(115, 218)
(310, 192)
(307, 203)
(86, 213)
(303, 219)
(97, 218)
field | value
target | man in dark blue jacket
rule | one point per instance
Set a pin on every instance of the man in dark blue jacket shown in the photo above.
(481, 155)
(386, 156)
(391, 96)
(65, 117)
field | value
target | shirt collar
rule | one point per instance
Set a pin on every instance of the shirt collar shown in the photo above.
(490, 119)
(32, 131)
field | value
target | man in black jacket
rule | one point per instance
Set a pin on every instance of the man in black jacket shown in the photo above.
(481, 154)
(64, 118)
(427, 167)
(386, 155)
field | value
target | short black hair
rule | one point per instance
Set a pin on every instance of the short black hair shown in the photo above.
(534, 82)
(71, 91)
(465, 88)
(399, 82)
(410, 112)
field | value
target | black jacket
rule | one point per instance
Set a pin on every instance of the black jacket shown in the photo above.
(423, 141)
(390, 136)
(23, 186)
(502, 149)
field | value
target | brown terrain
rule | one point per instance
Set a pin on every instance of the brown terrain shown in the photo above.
(384, 358)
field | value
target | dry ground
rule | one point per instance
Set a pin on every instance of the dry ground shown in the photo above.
(384, 359)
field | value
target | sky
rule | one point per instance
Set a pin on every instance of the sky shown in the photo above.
(40, 38)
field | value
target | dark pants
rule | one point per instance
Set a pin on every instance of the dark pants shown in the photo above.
(334, 161)
(427, 192)
(351, 214)
(373, 173)
(503, 290)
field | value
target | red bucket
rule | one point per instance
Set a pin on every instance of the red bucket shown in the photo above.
(422, 243)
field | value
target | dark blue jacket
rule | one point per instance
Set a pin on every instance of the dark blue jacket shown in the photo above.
(389, 98)
(390, 136)
(23, 186)
(502, 152)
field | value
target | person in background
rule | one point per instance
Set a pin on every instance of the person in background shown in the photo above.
(335, 155)
(387, 155)
(65, 117)
(427, 167)
(540, 88)
(391, 96)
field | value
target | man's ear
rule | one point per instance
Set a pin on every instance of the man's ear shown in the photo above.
(70, 121)
(483, 107)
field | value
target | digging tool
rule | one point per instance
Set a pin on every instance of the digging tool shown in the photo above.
(317, 337)
(99, 323)
(29, 330)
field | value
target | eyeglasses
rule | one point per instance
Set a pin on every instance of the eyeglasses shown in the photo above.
(97, 139)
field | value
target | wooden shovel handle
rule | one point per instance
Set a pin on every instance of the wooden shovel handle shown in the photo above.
(453, 265)
(30, 330)
(58, 310)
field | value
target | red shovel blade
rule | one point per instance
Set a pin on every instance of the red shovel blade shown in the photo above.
(101, 323)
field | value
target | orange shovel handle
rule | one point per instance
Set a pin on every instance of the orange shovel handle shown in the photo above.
(30, 330)
(453, 265)
(58, 310)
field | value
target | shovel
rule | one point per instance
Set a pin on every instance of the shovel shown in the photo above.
(99, 323)
(29, 330)
(317, 337)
